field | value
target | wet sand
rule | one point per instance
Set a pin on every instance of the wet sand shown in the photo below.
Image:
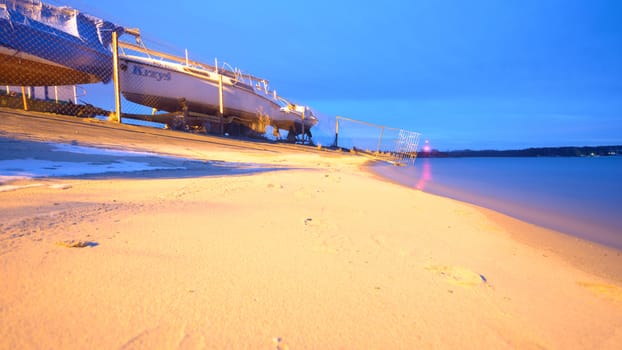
(308, 251)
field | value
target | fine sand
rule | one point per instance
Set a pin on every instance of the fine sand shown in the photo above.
(302, 250)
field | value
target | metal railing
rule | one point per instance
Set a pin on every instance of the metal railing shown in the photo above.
(381, 142)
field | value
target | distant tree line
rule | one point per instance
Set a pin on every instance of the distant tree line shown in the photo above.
(585, 151)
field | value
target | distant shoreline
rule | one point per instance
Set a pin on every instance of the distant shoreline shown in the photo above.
(569, 151)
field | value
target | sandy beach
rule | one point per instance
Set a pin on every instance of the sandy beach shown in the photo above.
(226, 244)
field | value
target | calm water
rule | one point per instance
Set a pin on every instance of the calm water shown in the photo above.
(578, 196)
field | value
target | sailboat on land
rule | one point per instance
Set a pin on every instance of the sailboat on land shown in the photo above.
(169, 83)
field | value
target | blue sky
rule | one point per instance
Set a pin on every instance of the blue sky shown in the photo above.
(467, 74)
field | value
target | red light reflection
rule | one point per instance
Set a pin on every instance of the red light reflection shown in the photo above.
(426, 174)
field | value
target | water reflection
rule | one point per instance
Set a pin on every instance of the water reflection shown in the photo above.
(426, 174)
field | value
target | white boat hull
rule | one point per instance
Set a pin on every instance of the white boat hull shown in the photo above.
(164, 85)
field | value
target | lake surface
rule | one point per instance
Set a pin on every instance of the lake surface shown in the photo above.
(577, 196)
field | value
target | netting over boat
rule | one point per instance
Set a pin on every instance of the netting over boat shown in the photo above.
(46, 51)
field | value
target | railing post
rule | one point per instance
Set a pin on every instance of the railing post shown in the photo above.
(24, 98)
(115, 75)
(303, 126)
(379, 141)
(336, 143)
(221, 108)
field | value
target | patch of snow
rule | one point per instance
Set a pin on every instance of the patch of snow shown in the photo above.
(6, 188)
(64, 147)
(60, 186)
(34, 168)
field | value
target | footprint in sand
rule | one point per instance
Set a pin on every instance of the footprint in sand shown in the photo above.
(333, 243)
(326, 236)
(458, 275)
(303, 194)
(607, 291)
(380, 240)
